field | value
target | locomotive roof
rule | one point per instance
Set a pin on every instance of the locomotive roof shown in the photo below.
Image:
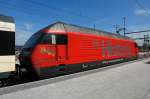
(8, 19)
(70, 27)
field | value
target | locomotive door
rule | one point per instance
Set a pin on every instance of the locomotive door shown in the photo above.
(61, 48)
(61, 54)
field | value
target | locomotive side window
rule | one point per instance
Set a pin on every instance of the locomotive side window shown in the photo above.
(54, 39)
(61, 39)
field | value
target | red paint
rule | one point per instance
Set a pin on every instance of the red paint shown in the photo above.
(81, 49)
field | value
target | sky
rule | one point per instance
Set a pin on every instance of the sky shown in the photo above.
(32, 15)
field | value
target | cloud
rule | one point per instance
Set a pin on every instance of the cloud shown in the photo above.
(102, 21)
(22, 36)
(139, 27)
(29, 26)
(23, 32)
(142, 12)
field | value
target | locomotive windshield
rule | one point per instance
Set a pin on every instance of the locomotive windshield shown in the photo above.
(33, 40)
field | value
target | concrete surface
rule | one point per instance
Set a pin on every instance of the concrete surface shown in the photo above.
(130, 81)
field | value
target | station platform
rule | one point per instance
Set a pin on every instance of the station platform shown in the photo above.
(129, 80)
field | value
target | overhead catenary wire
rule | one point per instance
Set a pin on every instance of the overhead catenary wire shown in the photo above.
(55, 12)
(67, 12)
(30, 12)
(24, 10)
(139, 31)
(142, 7)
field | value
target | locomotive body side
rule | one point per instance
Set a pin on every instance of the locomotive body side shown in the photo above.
(84, 48)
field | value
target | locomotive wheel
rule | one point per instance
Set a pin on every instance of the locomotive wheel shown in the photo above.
(1, 83)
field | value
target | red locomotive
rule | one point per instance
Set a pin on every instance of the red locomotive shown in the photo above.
(62, 47)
